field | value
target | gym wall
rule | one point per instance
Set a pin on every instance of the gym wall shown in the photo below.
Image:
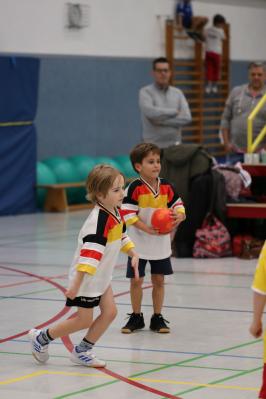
(90, 77)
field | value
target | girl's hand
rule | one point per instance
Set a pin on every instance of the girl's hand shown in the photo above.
(256, 329)
(71, 292)
(178, 217)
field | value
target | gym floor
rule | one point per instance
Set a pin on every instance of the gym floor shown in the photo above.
(209, 353)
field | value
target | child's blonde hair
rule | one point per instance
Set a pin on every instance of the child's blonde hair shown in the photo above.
(100, 180)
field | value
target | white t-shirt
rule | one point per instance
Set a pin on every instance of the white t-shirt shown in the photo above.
(214, 38)
(139, 203)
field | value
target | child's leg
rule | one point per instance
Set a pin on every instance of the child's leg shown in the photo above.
(216, 67)
(208, 71)
(40, 339)
(82, 353)
(157, 292)
(159, 268)
(81, 321)
(108, 313)
(136, 294)
(136, 320)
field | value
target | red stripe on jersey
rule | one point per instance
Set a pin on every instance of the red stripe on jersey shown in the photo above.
(90, 253)
(166, 189)
(140, 190)
(111, 223)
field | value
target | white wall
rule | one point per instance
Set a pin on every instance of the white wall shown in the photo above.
(118, 28)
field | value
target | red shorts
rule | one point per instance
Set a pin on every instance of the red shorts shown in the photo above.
(263, 387)
(213, 65)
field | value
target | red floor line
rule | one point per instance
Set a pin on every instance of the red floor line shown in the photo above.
(54, 318)
(67, 342)
(31, 281)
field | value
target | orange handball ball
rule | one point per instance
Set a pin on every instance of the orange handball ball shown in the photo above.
(162, 220)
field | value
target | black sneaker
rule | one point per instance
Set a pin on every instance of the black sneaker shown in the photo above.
(158, 324)
(135, 322)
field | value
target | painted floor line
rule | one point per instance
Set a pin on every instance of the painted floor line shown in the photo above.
(124, 348)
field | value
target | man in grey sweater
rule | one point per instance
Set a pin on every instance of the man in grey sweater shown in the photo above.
(164, 108)
(240, 103)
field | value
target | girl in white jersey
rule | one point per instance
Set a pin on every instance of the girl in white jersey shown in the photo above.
(100, 239)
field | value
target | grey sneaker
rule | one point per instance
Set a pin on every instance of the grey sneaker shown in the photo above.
(87, 359)
(40, 352)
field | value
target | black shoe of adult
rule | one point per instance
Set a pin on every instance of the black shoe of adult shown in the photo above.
(135, 322)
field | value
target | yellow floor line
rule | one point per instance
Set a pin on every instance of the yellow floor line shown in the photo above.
(47, 372)
(198, 384)
(141, 379)
(23, 377)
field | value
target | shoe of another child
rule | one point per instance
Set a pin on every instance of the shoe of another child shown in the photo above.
(214, 89)
(195, 36)
(158, 324)
(40, 352)
(208, 89)
(135, 322)
(87, 359)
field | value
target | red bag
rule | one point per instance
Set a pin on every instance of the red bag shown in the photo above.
(212, 239)
(247, 247)
(238, 243)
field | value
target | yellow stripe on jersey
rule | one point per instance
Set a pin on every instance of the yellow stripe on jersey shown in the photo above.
(131, 220)
(259, 282)
(149, 201)
(86, 269)
(180, 209)
(115, 233)
(127, 247)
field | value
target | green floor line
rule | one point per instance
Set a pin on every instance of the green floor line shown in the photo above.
(166, 367)
(199, 357)
(210, 368)
(67, 395)
(218, 381)
(128, 362)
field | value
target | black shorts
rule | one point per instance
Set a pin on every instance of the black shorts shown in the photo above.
(158, 266)
(84, 301)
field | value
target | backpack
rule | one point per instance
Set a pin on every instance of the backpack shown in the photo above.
(212, 239)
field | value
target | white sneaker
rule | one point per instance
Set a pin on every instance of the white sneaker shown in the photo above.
(215, 89)
(87, 359)
(40, 352)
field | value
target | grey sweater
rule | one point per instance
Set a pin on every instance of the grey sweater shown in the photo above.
(163, 112)
(238, 107)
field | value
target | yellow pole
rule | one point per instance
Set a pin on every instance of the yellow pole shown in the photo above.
(252, 146)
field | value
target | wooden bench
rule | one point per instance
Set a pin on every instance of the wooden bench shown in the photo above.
(56, 197)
